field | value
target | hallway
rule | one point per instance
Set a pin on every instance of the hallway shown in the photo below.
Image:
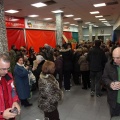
(76, 105)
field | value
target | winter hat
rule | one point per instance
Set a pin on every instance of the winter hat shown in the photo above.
(40, 58)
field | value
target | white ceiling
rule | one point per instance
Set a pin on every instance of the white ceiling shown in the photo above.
(79, 8)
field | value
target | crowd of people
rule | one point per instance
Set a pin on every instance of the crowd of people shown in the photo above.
(94, 65)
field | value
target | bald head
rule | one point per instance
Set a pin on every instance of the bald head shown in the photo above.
(116, 55)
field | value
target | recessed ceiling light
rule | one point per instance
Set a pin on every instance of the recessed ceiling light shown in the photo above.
(47, 18)
(94, 12)
(33, 15)
(87, 22)
(77, 18)
(99, 16)
(57, 11)
(40, 4)
(11, 11)
(99, 5)
(102, 19)
(72, 24)
(69, 15)
(66, 22)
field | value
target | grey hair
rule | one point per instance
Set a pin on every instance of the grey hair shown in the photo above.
(5, 57)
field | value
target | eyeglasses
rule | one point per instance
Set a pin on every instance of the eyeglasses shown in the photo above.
(4, 69)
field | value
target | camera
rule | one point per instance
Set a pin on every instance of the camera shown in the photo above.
(14, 110)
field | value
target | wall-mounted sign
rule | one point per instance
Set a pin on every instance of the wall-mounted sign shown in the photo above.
(14, 22)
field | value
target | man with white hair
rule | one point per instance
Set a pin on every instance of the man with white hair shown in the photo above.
(111, 78)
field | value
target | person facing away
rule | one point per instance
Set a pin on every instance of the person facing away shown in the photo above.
(111, 78)
(8, 96)
(22, 81)
(49, 91)
(97, 59)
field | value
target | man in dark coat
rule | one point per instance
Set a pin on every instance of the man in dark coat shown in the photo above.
(111, 77)
(97, 59)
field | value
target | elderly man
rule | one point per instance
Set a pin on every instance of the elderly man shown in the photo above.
(8, 96)
(111, 78)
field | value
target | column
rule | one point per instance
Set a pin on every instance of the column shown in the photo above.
(59, 29)
(96, 33)
(90, 32)
(3, 38)
(80, 31)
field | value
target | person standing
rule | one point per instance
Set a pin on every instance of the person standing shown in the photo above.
(8, 96)
(111, 78)
(97, 59)
(49, 91)
(22, 81)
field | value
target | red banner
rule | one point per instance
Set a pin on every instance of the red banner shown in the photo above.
(14, 22)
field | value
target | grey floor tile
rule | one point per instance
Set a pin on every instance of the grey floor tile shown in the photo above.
(76, 105)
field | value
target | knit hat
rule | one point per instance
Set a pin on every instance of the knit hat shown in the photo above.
(40, 58)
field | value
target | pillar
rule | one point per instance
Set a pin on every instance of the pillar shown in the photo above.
(96, 33)
(59, 29)
(80, 31)
(90, 32)
(3, 37)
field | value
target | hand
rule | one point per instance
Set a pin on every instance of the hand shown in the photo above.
(115, 85)
(7, 114)
(15, 104)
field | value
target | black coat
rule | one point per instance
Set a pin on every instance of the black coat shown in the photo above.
(110, 74)
(97, 59)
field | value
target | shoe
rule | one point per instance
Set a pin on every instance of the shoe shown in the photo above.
(92, 93)
(98, 95)
(67, 90)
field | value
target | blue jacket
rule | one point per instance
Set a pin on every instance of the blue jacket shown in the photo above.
(22, 82)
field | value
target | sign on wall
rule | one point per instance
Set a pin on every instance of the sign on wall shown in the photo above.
(14, 22)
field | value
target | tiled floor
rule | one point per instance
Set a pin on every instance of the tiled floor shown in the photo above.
(76, 105)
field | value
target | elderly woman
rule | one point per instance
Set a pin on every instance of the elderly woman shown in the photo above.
(22, 81)
(49, 91)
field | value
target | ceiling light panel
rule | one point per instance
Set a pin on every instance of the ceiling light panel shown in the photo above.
(11, 11)
(99, 16)
(77, 18)
(40, 4)
(69, 15)
(95, 12)
(33, 15)
(99, 5)
(57, 11)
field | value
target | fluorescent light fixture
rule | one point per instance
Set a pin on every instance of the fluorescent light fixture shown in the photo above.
(102, 19)
(66, 22)
(57, 11)
(95, 25)
(11, 11)
(40, 4)
(47, 19)
(107, 24)
(72, 24)
(14, 19)
(95, 12)
(99, 16)
(77, 18)
(87, 22)
(33, 15)
(69, 15)
(99, 5)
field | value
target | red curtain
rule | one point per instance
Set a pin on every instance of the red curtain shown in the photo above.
(68, 35)
(15, 37)
(37, 38)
